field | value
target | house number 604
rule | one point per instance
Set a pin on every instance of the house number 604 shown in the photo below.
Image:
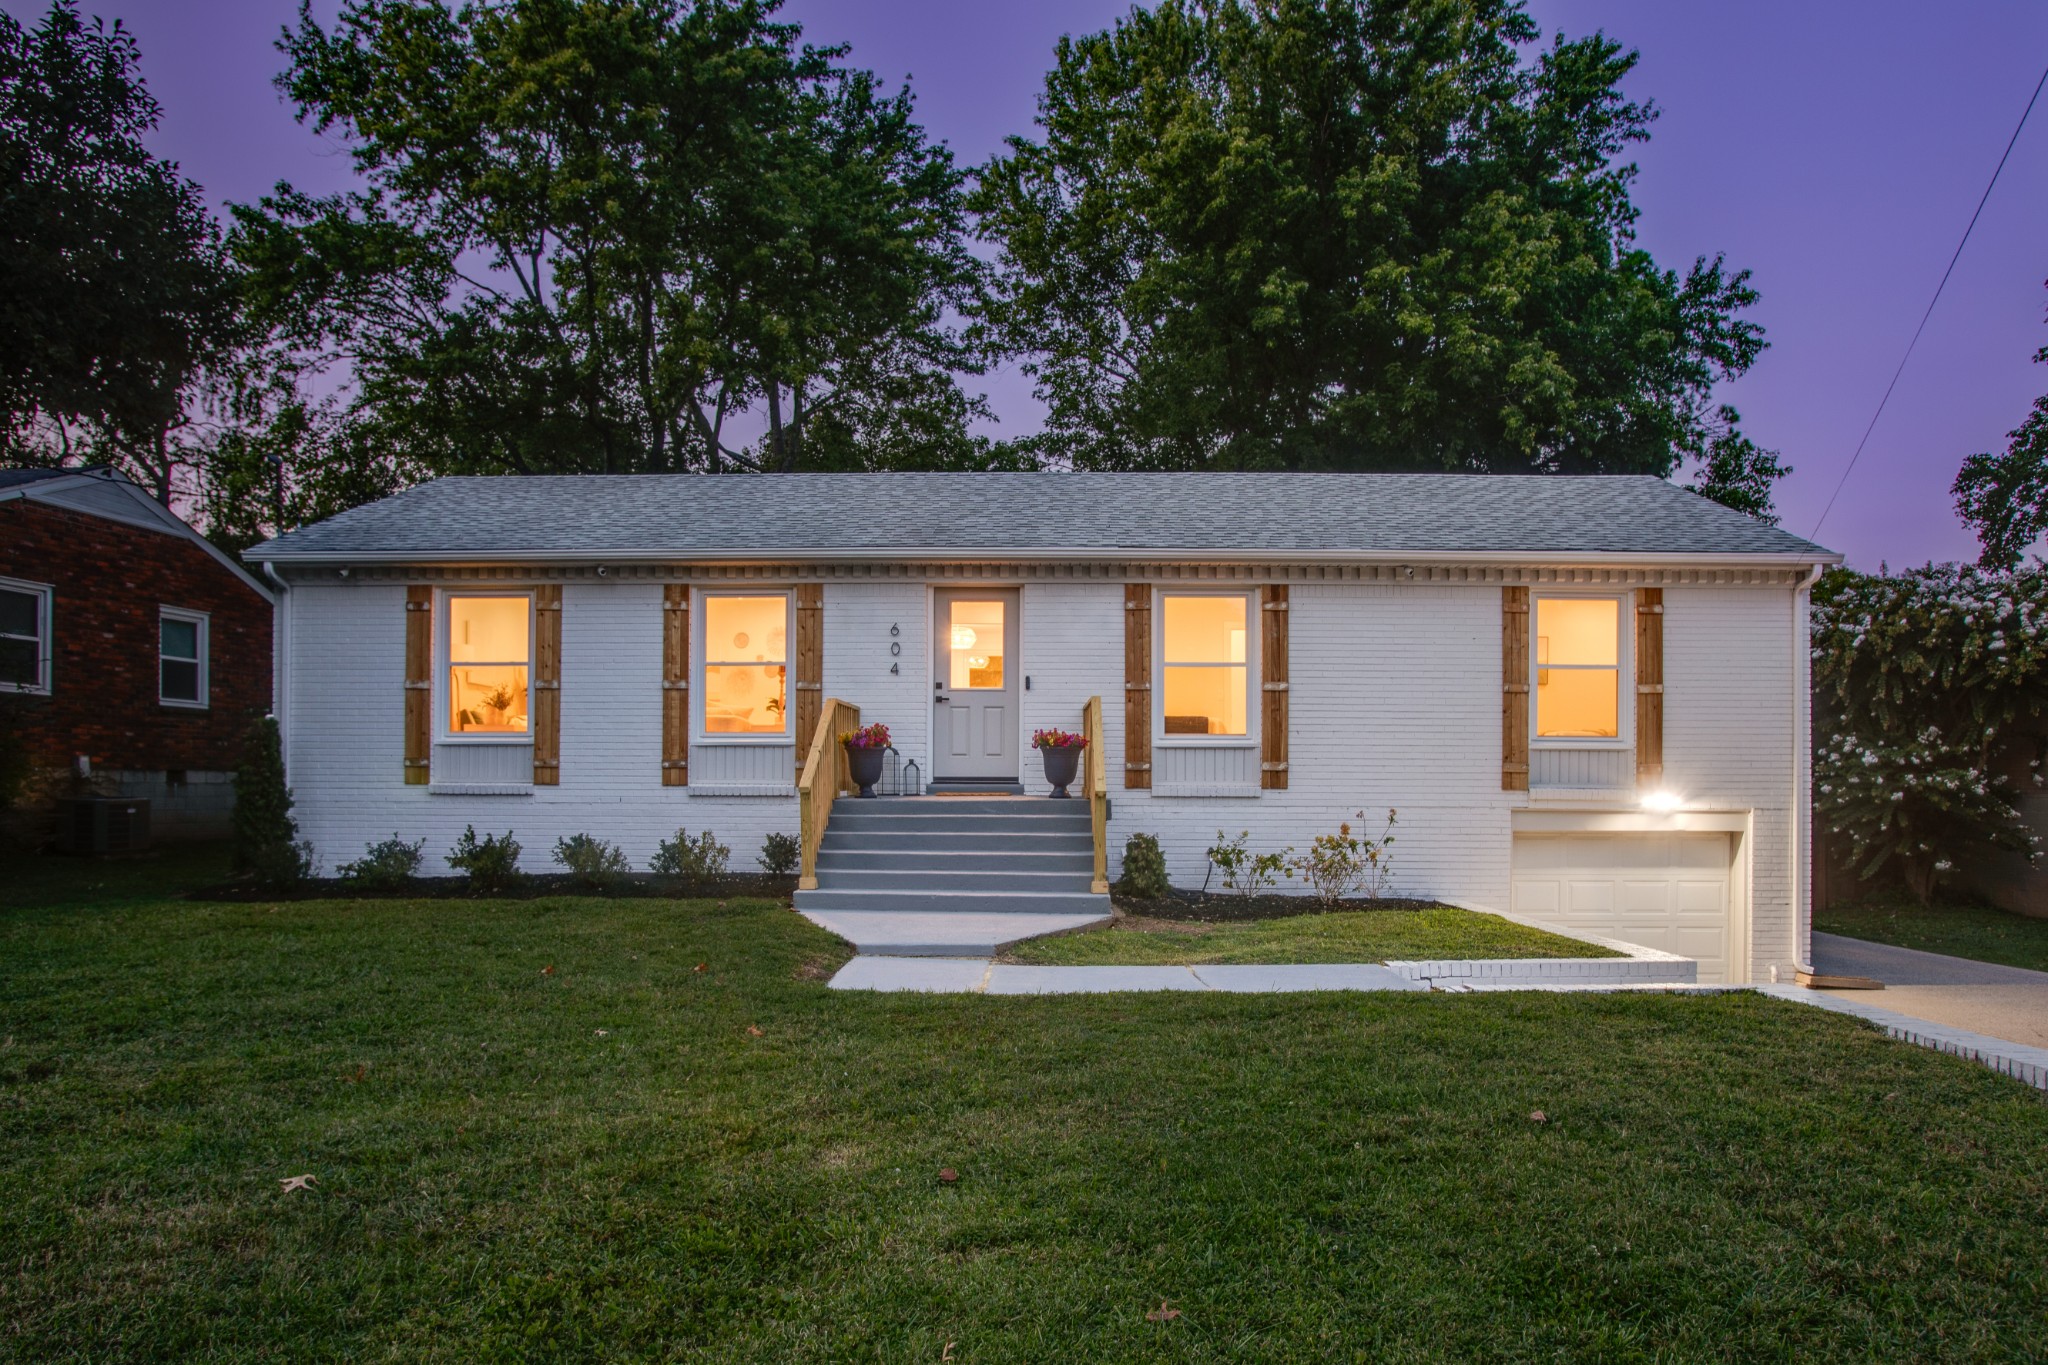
(895, 648)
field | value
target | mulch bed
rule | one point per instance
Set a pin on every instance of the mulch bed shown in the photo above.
(1179, 904)
(532, 886)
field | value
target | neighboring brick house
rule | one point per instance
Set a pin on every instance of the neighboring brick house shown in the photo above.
(133, 653)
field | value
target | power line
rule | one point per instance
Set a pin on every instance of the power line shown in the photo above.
(1982, 200)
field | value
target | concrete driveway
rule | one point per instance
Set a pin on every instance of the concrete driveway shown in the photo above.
(2001, 1002)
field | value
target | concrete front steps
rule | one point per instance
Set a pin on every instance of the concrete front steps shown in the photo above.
(953, 876)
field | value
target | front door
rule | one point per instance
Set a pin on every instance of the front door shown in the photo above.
(974, 684)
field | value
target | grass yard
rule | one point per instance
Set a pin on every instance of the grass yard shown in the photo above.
(1981, 932)
(539, 1132)
(1344, 936)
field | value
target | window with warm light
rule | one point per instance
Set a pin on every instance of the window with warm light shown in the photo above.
(746, 664)
(1577, 661)
(1204, 664)
(974, 644)
(490, 646)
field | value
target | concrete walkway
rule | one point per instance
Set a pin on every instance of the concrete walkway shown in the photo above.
(876, 973)
(2008, 1003)
(941, 934)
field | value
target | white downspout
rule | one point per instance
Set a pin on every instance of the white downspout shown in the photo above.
(280, 656)
(1802, 769)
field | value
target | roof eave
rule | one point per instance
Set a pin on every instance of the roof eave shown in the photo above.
(1616, 558)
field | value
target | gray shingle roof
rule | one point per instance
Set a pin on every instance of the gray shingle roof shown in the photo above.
(969, 514)
(14, 478)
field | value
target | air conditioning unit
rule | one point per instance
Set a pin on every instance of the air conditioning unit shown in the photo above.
(102, 824)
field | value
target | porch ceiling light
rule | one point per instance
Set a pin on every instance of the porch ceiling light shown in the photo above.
(964, 637)
(1662, 799)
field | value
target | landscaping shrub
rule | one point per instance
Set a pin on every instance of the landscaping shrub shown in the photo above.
(491, 863)
(691, 863)
(1930, 692)
(389, 865)
(1337, 865)
(265, 833)
(780, 854)
(1246, 873)
(1144, 874)
(282, 867)
(593, 863)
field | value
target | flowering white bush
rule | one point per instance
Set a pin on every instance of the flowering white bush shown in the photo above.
(1927, 685)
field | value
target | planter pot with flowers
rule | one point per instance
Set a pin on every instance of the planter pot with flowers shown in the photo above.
(865, 748)
(1061, 751)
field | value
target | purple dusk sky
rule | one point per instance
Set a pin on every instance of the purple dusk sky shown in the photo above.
(1835, 149)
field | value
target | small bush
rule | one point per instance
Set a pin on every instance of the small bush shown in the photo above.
(1144, 868)
(1246, 873)
(491, 863)
(691, 863)
(387, 866)
(282, 867)
(1336, 865)
(592, 863)
(780, 854)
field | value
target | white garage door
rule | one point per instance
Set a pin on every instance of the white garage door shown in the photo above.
(1667, 891)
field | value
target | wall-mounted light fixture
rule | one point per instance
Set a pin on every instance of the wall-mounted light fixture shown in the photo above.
(1662, 799)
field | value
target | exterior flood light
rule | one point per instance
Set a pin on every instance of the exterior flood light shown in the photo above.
(1662, 799)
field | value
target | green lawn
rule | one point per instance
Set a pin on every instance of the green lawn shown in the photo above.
(627, 1158)
(1981, 932)
(1348, 936)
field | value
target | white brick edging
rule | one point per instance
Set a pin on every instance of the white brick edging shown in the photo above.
(1638, 965)
(2017, 1060)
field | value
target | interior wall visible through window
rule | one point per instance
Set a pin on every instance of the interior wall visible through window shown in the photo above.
(746, 664)
(1577, 658)
(1205, 657)
(490, 649)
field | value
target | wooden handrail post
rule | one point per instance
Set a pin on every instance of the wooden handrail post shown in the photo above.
(826, 774)
(1098, 792)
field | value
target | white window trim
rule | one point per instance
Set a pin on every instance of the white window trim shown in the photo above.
(46, 638)
(700, 621)
(444, 618)
(1624, 675)
(205, 633)
(1254, 687)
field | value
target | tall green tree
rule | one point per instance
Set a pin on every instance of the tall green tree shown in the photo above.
(594, 232)
(1349, 234)
(114, 293)
(2003, 497)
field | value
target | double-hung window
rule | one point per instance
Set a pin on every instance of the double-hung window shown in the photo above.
(181, 657)
(489, 652)
(1578, 664)
(24, 636)
(1205, 666)
(746, 665)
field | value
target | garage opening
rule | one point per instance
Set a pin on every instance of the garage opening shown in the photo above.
(1664, 890)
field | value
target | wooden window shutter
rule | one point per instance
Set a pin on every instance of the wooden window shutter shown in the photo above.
(1514, 689)
(547, 685)
(419, 684)
(1649, 685)
(1273, 687)
(675, 685)
(810, 666)
(1137, 686)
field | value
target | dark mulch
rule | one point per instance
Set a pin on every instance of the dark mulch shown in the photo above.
(1209, 908)
(532, 886)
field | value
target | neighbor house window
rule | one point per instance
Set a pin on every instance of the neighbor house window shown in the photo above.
(1205, 668)
(181, 657)
(746, 664)
(24, 637)
(1577, 659)
(490, 647)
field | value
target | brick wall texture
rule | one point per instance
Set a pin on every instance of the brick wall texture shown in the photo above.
(110, 580)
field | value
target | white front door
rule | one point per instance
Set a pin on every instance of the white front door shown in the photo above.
(974, 684)
(1667, 891)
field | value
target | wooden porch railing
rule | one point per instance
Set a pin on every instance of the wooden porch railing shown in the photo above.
(1098, 791)
(825, 776)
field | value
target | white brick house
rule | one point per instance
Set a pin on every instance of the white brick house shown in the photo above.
(1586, 696)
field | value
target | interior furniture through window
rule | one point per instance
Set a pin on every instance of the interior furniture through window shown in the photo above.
(1205, 664)
(746, 664)
(490, 649)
